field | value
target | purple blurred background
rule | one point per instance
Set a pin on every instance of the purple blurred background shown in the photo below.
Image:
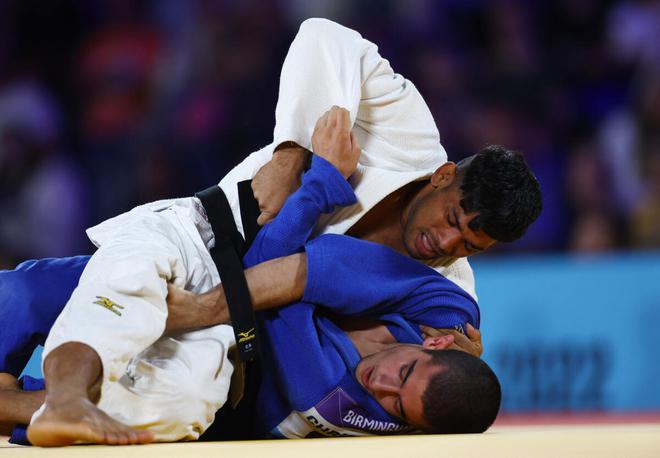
(108, 104)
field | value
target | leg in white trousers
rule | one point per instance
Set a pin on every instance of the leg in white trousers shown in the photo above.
(170, 385)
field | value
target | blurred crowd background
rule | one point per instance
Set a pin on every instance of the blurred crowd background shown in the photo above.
(105, 104)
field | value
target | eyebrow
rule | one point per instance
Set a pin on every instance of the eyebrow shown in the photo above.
(468, 245)
(410, 370)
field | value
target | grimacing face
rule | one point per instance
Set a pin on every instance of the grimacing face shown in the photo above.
(397, 377)
(436, 226)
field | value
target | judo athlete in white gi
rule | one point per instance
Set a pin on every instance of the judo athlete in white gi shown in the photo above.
(173, 385)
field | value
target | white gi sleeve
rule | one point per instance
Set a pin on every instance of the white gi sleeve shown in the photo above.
(329, 64)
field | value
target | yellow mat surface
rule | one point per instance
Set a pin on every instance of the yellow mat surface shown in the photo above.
(625, 441)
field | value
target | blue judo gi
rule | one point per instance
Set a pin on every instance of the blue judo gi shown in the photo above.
(308, 385)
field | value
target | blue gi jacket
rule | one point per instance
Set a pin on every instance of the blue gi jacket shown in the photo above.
(308, 384)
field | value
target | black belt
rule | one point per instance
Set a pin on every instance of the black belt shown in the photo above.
(227, 254)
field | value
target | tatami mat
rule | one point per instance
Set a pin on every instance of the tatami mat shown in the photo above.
(625, 441)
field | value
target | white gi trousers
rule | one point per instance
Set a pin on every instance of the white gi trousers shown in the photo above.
(173, 385)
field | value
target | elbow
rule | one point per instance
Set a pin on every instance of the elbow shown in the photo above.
(316, 27)
(319, 31)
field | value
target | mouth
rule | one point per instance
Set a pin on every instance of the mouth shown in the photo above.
(425, 247)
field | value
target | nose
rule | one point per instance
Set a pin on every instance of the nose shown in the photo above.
(449, 240)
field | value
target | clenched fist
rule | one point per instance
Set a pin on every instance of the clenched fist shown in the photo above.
(333, 140)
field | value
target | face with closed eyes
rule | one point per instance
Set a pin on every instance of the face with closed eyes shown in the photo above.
(396, 378)
(436, 226)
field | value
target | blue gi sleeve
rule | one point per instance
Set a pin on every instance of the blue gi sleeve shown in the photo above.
(356, 277)
(31, 298)
(323, 188)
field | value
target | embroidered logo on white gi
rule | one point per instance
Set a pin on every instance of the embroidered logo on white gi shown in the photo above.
(109, 304)
(247, 335)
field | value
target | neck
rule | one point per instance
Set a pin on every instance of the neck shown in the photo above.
(384, 223)
(412, 193)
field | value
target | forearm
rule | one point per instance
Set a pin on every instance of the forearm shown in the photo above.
(278, 179)
(271, 284)
(277, 282)
(291, 161)
(17, 406)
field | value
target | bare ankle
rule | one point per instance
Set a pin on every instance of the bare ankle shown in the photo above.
(64, 397)
(72, 371)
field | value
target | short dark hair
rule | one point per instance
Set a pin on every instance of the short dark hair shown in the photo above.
(497, 184)
(463, 397)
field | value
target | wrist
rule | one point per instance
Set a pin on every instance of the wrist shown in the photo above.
(293, 156)
(214, 303)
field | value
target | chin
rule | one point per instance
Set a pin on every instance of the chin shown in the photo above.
(412, 252)
(409, 245)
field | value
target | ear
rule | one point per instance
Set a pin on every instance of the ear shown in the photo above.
(438, 342)
(444, 175)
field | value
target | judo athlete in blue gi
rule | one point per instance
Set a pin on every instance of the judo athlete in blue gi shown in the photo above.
(314, 382)
(378, 275)
(396, 289)
(309, 362)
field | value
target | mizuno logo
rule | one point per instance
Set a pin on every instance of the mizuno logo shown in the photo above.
(109, 304)
(245, 336)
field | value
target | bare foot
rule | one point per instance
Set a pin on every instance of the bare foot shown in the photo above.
(66, 421)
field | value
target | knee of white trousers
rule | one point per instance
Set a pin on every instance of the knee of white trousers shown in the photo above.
(119, 308)
(116, 326)
(175, 387)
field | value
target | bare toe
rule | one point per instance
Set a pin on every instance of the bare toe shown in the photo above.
(64, 422)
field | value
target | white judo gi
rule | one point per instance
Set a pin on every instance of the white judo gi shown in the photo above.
(174, 385)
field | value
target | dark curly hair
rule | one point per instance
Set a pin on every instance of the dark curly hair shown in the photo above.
(497, 184)
(463, 397)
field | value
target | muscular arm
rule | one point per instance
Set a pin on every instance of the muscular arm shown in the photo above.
(381, 281)
(272, 283)
(283, 281)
